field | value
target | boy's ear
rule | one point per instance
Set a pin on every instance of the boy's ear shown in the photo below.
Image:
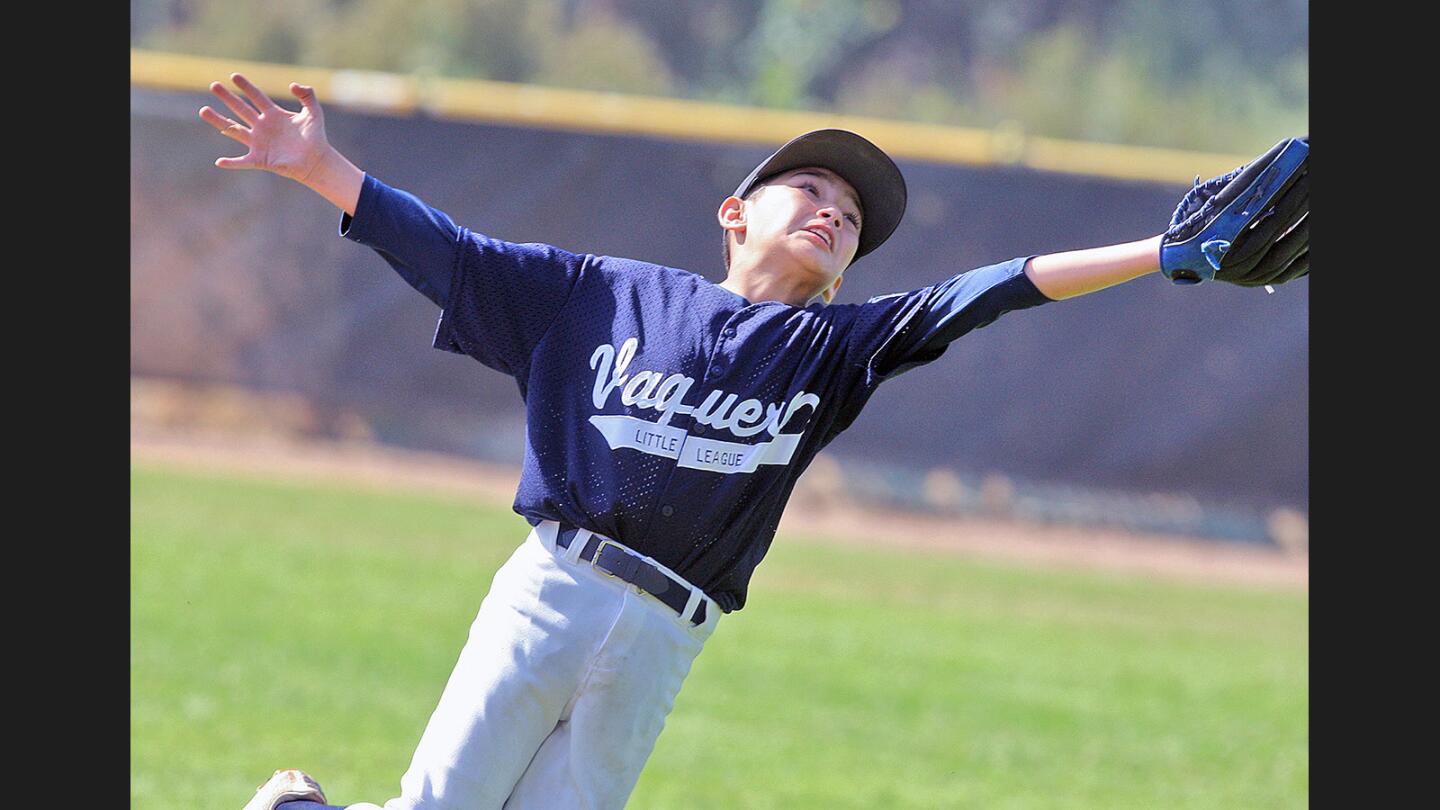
(732, 214)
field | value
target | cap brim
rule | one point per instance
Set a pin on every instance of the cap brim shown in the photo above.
(871, 172)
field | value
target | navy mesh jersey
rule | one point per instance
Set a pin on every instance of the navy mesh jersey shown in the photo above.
(661, 409)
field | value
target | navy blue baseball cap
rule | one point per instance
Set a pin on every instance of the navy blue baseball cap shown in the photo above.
(864, 166)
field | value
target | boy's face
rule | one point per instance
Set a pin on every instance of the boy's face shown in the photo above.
(807, 219)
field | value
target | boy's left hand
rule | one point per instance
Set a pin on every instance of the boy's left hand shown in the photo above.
(1249, 227)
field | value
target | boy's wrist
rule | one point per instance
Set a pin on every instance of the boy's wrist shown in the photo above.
(336, 179)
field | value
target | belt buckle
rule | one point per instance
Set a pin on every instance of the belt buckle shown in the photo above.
(595, 563)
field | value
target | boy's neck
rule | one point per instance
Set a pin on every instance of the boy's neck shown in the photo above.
(751, 282)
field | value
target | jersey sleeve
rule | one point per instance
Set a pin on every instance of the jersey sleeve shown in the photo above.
(891, 334)
(895, 333)
(418, 241)
(497, 298)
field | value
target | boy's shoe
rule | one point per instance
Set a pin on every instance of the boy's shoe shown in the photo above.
(287, 785)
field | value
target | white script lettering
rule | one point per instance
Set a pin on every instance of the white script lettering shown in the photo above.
(653, 390)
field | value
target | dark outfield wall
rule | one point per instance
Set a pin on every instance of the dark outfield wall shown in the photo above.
(240, 277)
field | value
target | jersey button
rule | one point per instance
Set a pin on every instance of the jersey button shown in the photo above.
(698, 429)
(667, 510)
(729, 332)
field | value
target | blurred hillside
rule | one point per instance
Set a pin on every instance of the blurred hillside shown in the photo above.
(1222, 75)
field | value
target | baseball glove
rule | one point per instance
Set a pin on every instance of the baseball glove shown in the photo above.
(1249, 227)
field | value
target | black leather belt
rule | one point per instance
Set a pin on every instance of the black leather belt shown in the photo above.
(612, 559)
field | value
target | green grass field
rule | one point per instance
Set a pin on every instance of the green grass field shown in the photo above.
(275, 625)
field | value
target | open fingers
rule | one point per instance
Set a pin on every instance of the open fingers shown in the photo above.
(255, 94)
(306, 94)
(242, 110)
(245, 161)
(225, 126)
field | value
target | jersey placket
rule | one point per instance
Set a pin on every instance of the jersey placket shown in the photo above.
(721, 361)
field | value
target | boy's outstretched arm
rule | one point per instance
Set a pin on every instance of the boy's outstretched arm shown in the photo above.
(476, 280)
(290, 144)
(1248, 227)
(1076, 272)
(418, 241)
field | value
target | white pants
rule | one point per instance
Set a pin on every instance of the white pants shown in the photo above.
(560, 691)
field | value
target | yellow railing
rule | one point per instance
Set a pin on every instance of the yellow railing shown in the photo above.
(589, 111)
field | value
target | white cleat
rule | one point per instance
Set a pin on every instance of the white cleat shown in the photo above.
(286, 786)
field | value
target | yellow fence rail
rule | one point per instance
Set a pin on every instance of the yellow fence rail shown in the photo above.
(589, 111)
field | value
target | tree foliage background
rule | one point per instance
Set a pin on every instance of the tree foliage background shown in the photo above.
(1221, 75)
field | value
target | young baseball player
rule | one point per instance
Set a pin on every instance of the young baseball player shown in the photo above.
(668, 419)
